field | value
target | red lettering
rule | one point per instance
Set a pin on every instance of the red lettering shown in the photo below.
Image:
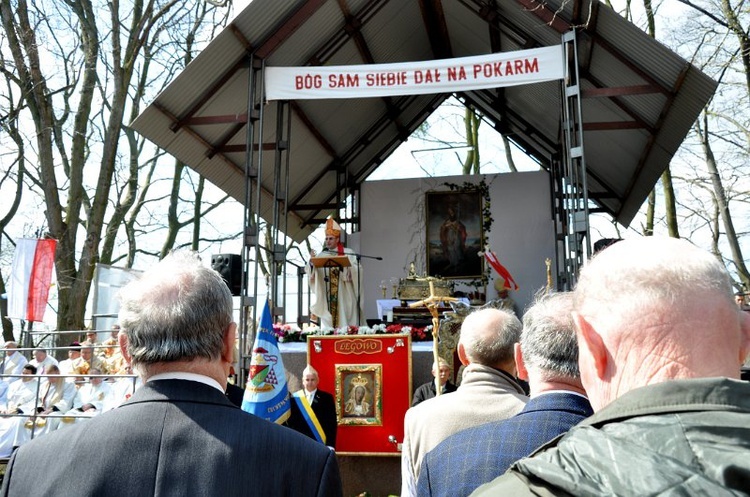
(386, 79)
(432, 76)
(308, 81)
(531, 66)
(343, 80)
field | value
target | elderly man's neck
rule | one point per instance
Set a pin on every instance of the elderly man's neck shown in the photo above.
(540, 383)
(205, 367)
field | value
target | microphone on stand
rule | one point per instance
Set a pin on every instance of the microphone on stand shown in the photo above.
(362, 256)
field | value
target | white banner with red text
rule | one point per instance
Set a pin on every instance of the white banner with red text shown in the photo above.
(416, 78)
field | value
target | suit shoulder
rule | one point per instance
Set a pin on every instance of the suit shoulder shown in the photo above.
(475, 433)
(325, 395)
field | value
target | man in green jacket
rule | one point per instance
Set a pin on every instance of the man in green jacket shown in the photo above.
(661, 342)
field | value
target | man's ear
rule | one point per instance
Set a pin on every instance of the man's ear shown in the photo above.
(122, 338)
(522, 373)
(591, 348)
(462, 354)
(227, 349)
(744, 336)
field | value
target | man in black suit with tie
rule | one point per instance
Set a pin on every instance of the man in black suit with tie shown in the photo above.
(178, 434)
(319, 421)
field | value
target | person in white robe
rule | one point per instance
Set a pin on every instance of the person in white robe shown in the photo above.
(55, 398)
(92, 398)
(21, 402)
(22, 393)
(12, 361)
(42, 360)
(337, 292)
(71, 365)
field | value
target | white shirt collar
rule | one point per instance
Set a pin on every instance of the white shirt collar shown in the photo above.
(558, 391)
(181, 375)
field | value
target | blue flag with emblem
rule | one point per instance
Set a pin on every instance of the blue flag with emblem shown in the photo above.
(266, 393)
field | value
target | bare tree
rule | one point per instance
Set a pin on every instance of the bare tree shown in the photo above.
(725, 50)
(472, 120)
(77, 106)
(11, 179)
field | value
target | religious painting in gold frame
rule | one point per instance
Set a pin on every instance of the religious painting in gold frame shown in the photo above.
(358, 394)
(455, 234)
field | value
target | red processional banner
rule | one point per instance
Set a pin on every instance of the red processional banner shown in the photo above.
(370, 378)
(493, 70)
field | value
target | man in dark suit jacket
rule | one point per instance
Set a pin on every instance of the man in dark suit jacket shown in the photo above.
(323, 406)
(440, 370)
(548, 357)
(178, 434)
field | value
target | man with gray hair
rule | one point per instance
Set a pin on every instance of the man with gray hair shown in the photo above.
(660, 343)
(314, 411)
(547, 358)
(178, 434)
(441, 372)
(488, 391)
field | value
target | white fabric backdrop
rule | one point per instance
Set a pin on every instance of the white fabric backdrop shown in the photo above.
(393, 227)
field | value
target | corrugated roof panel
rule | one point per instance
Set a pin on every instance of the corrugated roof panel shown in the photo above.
(398, 17)
(530, 25)
(296, 50)
(645, 52)
(356, 131)
(538, 105)
(340, 133)
(196, 79)
(696, 89)
(610, 73)
(474, 37)
(261, 18)
(622, 157)
(347, 55)
(645, 181)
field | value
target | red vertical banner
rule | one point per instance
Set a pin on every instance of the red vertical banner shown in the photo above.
(370, 378)
(40, 279)
(30, 278)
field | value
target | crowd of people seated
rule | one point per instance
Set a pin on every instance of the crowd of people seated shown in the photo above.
(41, 395)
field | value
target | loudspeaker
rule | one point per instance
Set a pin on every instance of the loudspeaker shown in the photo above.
(229, 266)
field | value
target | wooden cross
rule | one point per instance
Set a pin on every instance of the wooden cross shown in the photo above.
(432, 303)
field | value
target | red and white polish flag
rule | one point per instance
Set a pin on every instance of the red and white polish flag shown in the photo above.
(30, 278)
(510, 283)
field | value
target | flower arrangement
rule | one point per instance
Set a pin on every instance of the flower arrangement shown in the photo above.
(286, 333)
